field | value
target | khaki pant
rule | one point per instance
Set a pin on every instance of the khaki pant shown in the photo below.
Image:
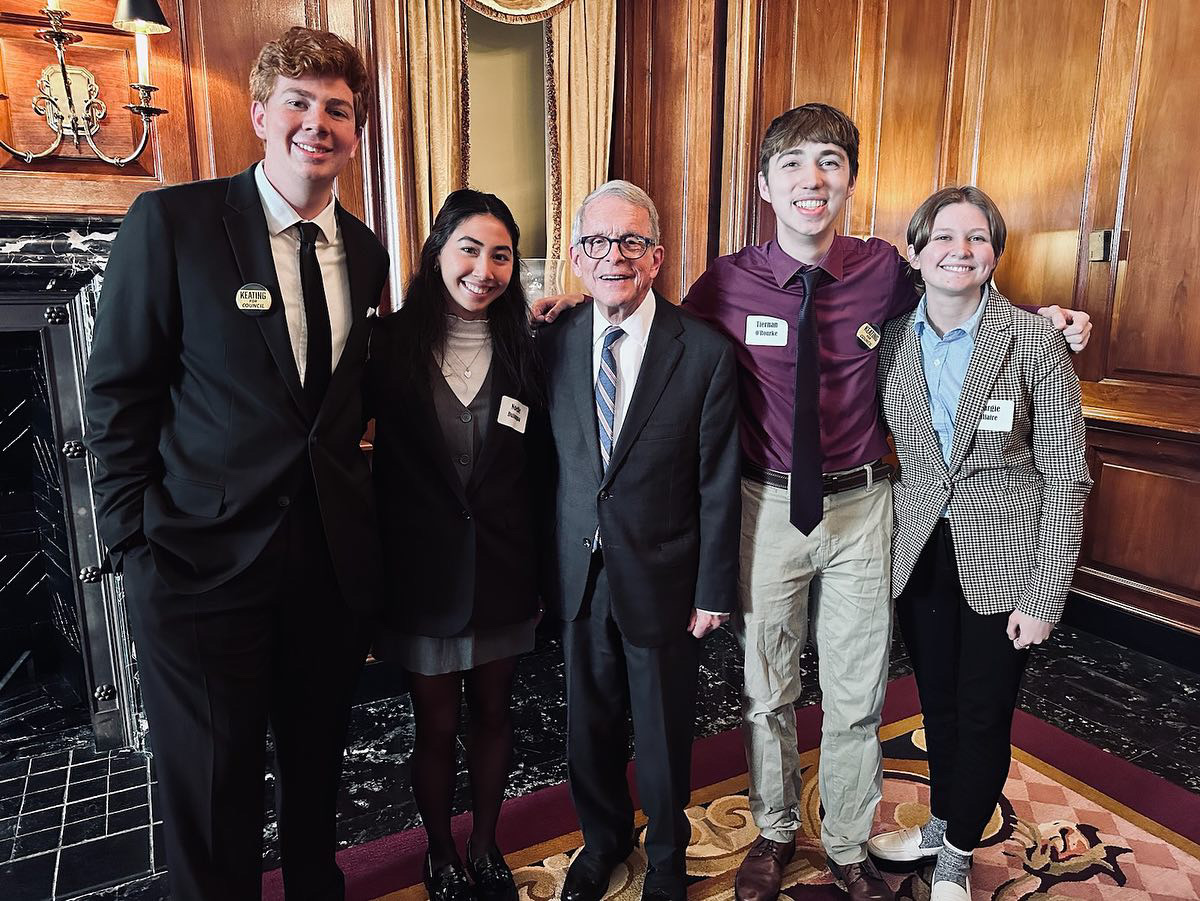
(840, 575)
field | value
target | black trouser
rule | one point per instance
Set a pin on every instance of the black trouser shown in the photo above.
(968, 674)
(608, 679)
(275, 645)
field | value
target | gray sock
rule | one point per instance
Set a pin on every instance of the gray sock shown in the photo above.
(953, 865)
(933, 832)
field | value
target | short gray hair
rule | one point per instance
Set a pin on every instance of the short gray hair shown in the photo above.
(627, 191)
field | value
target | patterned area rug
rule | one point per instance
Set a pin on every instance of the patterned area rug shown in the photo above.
(1074, 822)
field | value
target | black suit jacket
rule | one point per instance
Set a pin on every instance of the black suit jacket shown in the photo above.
(455, 555)
(195, 413)
(669, 506)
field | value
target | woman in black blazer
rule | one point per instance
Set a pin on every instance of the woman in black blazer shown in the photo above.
(459, 408)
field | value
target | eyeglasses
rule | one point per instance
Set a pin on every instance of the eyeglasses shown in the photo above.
(632, 247)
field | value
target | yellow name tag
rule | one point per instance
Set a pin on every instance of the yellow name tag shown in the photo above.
(253, 298)
(868, 335)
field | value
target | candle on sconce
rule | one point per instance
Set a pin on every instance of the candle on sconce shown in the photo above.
(53, 4)
(143, 57)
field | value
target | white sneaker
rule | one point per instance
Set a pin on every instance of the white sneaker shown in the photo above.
(903, 845)
(945, 890)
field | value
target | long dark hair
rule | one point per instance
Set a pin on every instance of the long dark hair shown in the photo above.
(423, 316)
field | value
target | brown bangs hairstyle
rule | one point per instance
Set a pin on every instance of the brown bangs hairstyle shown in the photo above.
(304, 53)
(815, 122)
(921, 225)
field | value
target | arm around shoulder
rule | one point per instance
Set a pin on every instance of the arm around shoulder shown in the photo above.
(1059, 453)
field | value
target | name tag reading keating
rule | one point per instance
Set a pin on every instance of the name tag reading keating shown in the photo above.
(997, 416)
(513, 414)
(766, 331)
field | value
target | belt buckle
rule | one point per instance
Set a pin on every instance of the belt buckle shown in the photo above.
(870, 468)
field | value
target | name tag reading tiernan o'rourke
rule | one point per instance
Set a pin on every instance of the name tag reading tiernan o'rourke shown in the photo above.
(766, 331)
(997, 416)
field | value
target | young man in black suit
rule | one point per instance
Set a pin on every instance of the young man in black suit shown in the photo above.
(224, 414)
(643, 411)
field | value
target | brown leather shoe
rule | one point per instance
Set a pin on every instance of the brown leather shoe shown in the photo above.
(759, 876)
(862, 881)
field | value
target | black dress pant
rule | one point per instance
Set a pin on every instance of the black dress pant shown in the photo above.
(277, 646)
(968, 674)
(608, 679)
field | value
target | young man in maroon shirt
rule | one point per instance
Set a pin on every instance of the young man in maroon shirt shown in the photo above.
(805, 311)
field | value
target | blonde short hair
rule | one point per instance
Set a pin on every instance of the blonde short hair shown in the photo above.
(305, 52)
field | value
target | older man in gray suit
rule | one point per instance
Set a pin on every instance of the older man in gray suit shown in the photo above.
(642, 406)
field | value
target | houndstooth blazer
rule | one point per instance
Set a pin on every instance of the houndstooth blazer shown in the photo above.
(1015, 498)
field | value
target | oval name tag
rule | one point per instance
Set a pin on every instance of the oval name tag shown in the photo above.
(253, 299)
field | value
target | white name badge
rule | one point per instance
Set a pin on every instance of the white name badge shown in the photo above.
(766, 331)
(513, 414)
(997, 416)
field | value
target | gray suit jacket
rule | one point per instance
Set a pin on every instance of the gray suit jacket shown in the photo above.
(1016, 497)
(669, 505)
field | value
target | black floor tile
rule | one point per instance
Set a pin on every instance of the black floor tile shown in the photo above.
(128, 779)
(85, 772)
(10, 807)
(87, 788)
(31, 879)
(41, 800)
(103, 862)
(45, 762)
(13, 787)
(8, 827)
(47, 818)
(130, 797)
(78, 811)
(6, 849)
(83, 830)
(51, 779)
(28, 844)
(150, 888)
(124, 820)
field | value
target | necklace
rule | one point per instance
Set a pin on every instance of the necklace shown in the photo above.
(465, 366)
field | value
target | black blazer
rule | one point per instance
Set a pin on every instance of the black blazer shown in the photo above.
(454, 555)
(669, 506)
(195, 414)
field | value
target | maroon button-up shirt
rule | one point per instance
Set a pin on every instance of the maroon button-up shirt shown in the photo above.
(864, 282)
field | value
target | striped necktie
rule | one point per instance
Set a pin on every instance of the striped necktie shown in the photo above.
(606, 393)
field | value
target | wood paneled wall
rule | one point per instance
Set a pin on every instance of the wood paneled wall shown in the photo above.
(75, 181)
(666, 129)
(1075, 116)
(202, 68)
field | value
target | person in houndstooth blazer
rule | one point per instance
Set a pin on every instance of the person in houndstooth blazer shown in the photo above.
(984, 406)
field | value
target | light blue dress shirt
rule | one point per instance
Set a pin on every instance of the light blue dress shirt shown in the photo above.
(945, 361)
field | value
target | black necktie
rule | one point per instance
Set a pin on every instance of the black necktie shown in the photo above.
(807, 490)
(316, 312)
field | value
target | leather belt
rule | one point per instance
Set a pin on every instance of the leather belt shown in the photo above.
(834, 482)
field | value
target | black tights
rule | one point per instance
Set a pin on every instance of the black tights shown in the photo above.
(436, 701)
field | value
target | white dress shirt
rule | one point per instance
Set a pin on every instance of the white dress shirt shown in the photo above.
(629, 350)
(331, 256)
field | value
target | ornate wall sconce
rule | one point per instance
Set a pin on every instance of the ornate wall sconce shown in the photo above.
(68, 96)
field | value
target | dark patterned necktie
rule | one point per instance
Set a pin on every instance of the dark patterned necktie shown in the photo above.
(807, 489)
(318, 359)
(606, 393)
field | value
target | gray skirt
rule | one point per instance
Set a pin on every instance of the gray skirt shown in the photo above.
(431, 656)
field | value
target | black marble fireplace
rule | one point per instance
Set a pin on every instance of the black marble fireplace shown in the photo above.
(66, 658)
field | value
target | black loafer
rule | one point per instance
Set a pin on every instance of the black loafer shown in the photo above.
(492, 877)
(448, 882)
(584, 884)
